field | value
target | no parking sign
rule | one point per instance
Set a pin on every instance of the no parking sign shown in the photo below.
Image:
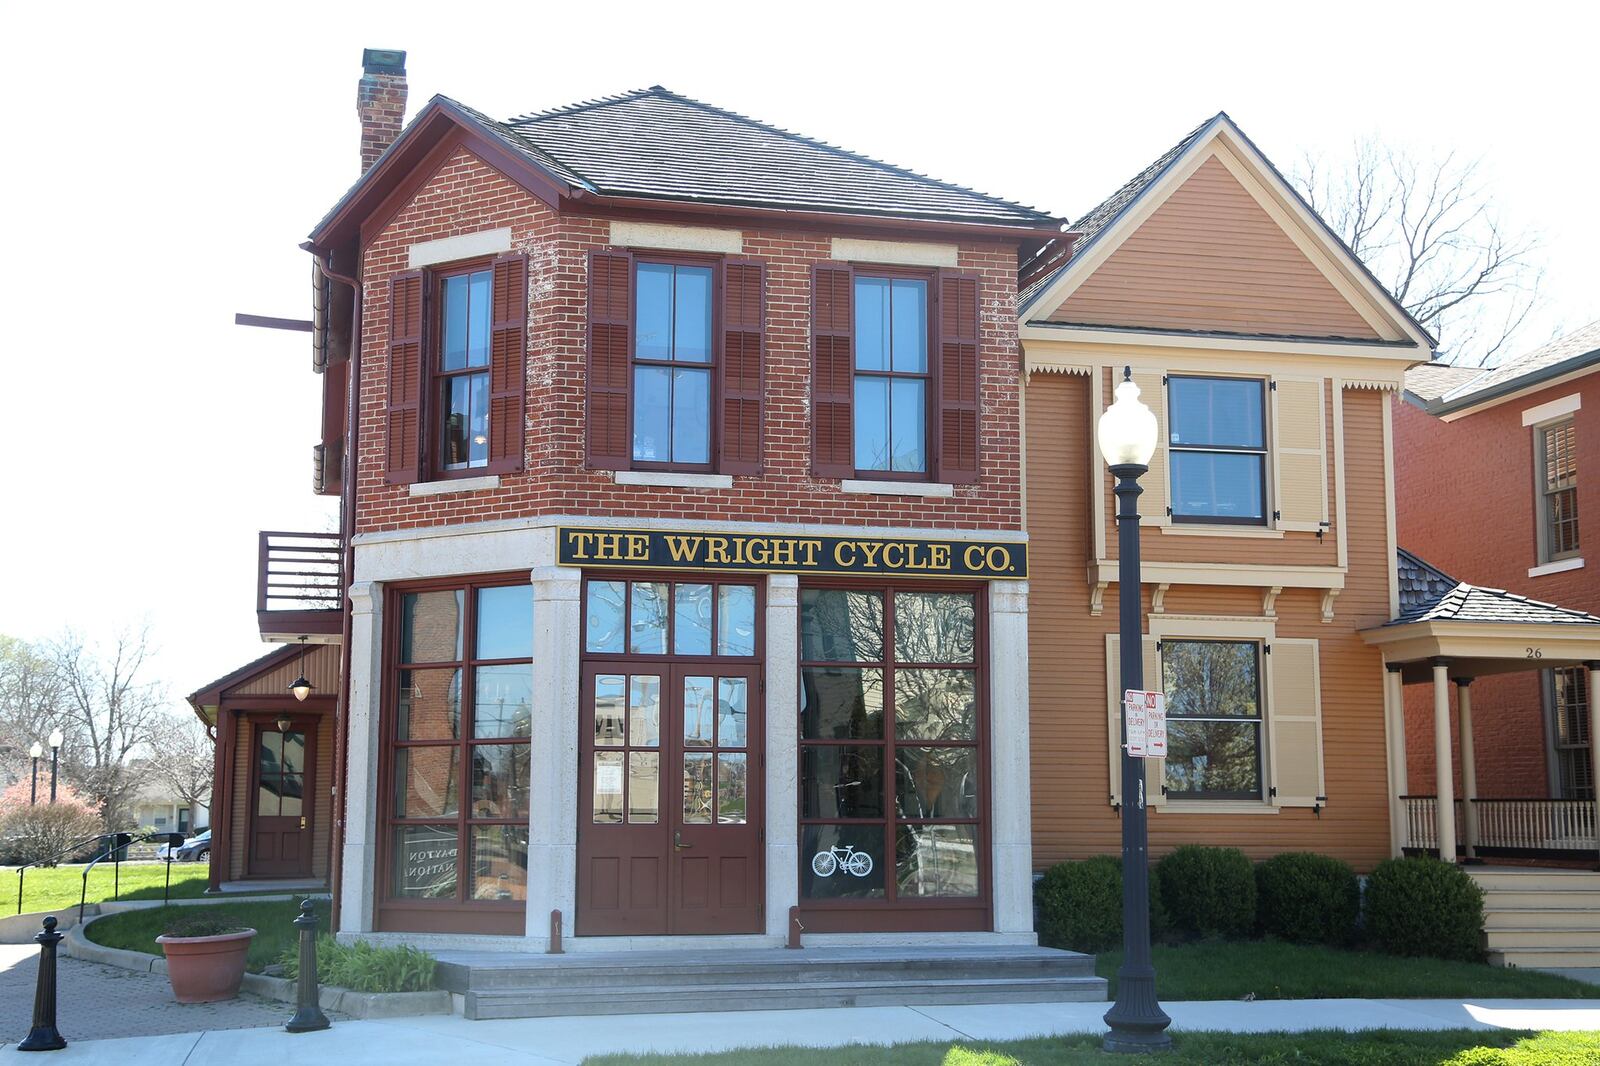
(1145, 715)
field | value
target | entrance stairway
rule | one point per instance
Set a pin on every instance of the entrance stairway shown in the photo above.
(1540, 917)
(509, 985)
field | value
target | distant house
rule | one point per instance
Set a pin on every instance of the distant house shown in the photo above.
(155, 806)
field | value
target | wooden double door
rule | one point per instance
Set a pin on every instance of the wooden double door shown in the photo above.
(669, 818)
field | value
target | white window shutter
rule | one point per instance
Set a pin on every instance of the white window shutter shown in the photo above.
(1114, 715)
(1155, 500)
(1294, 724)
(1299, 454)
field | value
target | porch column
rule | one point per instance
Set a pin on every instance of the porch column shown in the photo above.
(552, 815)
(1394, 731)
(1594, 740)
(1469, 766)
(1444, 770)
(358, 876)
(783, 748)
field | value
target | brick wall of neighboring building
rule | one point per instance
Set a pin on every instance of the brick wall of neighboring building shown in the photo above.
(466, 196)
(1481, 528)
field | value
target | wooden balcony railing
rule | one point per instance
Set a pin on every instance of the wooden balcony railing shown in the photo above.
(299, 585)
(1513, 825)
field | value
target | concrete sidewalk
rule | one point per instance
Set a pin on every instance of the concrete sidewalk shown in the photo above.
(566, 1041)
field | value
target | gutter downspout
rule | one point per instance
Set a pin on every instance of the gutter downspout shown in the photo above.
(347, 500)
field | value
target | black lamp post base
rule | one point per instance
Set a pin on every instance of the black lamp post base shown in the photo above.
(45, 1038)
(1125, 1042)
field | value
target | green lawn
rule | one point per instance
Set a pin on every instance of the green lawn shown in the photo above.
(272, 921)
(1272, 970)
(52, 888)
(1382, 1048)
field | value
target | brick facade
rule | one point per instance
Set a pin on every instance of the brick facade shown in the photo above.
(466, 195)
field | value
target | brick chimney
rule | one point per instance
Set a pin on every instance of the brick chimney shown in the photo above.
(380, 101)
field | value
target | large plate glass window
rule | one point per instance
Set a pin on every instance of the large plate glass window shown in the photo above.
(1213, 690)
(891, 760)
(672, 364)
(1217, 441)
(462, 370)
(892, 382)
(459, 751)
(1558, 491)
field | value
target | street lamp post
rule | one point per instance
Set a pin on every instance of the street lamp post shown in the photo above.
(55, 757)
(1127, 437)
(34, 752)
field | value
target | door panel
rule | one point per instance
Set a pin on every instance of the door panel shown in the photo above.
(282, 780)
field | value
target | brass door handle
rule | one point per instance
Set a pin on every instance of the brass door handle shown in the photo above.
(677, 841)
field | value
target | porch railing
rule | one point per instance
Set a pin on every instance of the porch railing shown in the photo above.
(299, 584)
(1524, 825)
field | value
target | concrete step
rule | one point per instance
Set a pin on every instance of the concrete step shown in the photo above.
(1528, 958)
(1584, 918)
(1496, 937)
(686, 998)
(1517, 877)
(1531, 896)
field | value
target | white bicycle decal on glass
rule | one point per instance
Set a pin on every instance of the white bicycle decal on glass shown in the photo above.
(856, 863)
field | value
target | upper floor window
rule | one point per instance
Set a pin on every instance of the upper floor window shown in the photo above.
(1217, 441)
(891, 379)
(672, 364)
(1557, 454)
(1214, 721)
(462, 370)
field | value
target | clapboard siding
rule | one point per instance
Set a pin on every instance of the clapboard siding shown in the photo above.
(320, 663)
(1072, 818)
(1211, 258)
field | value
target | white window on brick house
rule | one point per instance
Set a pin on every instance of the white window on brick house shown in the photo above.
(1556, 470)
(1567, 695)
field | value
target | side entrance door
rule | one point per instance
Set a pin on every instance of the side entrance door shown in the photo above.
(669, 832)
(280, 813)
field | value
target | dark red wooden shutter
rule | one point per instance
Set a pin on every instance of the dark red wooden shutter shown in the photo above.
(832, 371)
(407, 296)
(610, 353)
(743, 329)
(508, 353)
(956, 397)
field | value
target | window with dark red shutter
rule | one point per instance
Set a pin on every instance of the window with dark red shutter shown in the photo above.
(956, 392)
(832, 371)
(743, 330)
(403, 431)
(508, 347)
(610, 355)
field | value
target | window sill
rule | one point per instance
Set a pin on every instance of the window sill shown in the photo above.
(896, 488)
(459, 484)
(1200, 530)
(667, 479)
(1560, 566)
(1215, 807)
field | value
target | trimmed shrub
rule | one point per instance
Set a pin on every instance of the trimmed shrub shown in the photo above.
(1425, 907)
(1208, 892)
(365, 967)
(1308, 899)
(201, 925)
(1080, 905)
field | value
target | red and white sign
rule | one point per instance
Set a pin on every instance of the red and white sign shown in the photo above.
(1146, 716)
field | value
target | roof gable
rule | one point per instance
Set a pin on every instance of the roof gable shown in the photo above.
(1181, 247)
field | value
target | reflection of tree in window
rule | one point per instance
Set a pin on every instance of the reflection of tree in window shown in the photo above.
(1213, 718)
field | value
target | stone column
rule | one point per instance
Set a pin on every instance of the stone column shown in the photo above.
(1469, 768)
(358, 875)
(1444, 770)
(553, 804)
(1394, 725)
(783, 750)
(1594, 739)
(1010, 796)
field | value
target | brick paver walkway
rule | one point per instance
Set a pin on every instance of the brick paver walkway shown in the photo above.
(95, 1001)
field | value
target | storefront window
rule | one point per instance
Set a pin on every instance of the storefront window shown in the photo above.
(459, 744)
(890, 755)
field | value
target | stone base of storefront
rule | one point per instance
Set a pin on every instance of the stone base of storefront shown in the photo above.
(530, 546)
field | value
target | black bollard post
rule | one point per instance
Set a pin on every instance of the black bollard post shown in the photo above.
(44, 1036)
(308, 1016)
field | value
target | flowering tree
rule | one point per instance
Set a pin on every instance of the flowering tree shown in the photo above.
(33, 831)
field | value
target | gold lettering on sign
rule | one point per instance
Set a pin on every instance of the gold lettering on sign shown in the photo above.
(717, 550)
(638, 547)
(683, 549)
(580, 543)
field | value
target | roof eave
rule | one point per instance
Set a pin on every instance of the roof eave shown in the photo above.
(1525, 383)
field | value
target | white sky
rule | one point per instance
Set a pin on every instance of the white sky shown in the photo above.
(166, 160)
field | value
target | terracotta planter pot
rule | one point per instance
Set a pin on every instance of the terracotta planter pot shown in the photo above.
(204, 969)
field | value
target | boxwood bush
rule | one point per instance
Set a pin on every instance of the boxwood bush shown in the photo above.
(1425, 907)
(1308, 899)
(1080, 905)
(1208, 892)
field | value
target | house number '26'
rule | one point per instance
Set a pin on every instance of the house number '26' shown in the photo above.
(1536, 653)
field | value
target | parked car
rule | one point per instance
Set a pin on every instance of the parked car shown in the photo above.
(195, 849)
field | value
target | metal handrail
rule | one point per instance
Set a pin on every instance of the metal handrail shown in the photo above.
(119, 844)
(70, 849)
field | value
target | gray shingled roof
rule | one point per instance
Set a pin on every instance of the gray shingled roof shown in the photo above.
(1571, 352)
(1428, 594)
(657, 145)
(1429, 381)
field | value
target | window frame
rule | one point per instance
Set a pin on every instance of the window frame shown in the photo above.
(930, 377)
(430, 397)
(1545, 527)
(1263, 792)
(1265, 452)
(460, 912)
(1564, 751)
(713, 365)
